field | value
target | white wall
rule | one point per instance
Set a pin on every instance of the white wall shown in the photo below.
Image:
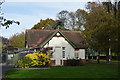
(60, 42)
(57, 43)
(82, 53)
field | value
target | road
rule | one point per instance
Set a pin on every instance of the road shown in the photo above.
(3, 69)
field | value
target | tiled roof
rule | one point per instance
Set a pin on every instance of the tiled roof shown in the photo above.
(38, 38)
(75, 37)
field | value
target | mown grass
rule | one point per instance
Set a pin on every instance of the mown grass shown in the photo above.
(104, 61)
(86, 71)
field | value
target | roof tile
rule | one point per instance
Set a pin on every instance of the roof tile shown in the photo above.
(35, 37)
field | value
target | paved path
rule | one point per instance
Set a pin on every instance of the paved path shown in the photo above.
(3, 69)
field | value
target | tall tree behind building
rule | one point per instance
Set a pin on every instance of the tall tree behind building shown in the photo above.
(44, 24)
(63, 18)
(18, 40)
(101, 28)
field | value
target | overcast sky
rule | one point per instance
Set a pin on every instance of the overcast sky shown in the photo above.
(29, 12)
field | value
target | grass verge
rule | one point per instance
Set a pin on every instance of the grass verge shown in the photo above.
(86, 71)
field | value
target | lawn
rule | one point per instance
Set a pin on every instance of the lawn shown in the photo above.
(86, 71)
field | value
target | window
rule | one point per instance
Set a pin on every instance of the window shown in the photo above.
(57, 47)
(63, 54)
(52, 50)
(76, 54)
(58, 34)
(51, 55)
(63, 48)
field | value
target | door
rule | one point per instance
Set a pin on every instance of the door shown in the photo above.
(57, 55)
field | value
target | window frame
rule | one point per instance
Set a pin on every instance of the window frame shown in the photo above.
(63, 54)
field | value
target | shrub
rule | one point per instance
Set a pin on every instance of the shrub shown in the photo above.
(75, 62)
(39, 59)
(25, 62)
(34, 60)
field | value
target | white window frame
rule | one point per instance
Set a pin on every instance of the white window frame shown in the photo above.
(76, 54)
(63, 52)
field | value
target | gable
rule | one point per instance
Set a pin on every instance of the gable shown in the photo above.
(58, 41)
(38, 38)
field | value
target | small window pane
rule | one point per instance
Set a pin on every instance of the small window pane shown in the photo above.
(63, 54)
(63, 48)
(76, 54)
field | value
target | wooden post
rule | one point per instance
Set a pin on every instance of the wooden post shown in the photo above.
(109, 55)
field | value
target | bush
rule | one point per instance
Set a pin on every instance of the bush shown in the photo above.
(75, 62)
(34, 60)
(25, 62)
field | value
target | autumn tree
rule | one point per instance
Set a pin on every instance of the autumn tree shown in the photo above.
(44, 24)
(4, 43)
(58, 25)
(18, 40)
(114, 9)
(101, 28)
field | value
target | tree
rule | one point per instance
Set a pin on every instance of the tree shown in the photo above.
(114, 9)
(80, 18)
(5, 22)
(72, 20)
(44, 24)
(58, 25)
(18, 40)
(63, 17)
(4, 43)
(100, 28)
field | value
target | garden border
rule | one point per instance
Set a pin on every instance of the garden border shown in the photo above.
(32, 68)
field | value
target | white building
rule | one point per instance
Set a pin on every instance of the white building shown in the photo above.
(64, 44)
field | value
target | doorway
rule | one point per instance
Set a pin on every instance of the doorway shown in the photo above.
(58, 53)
